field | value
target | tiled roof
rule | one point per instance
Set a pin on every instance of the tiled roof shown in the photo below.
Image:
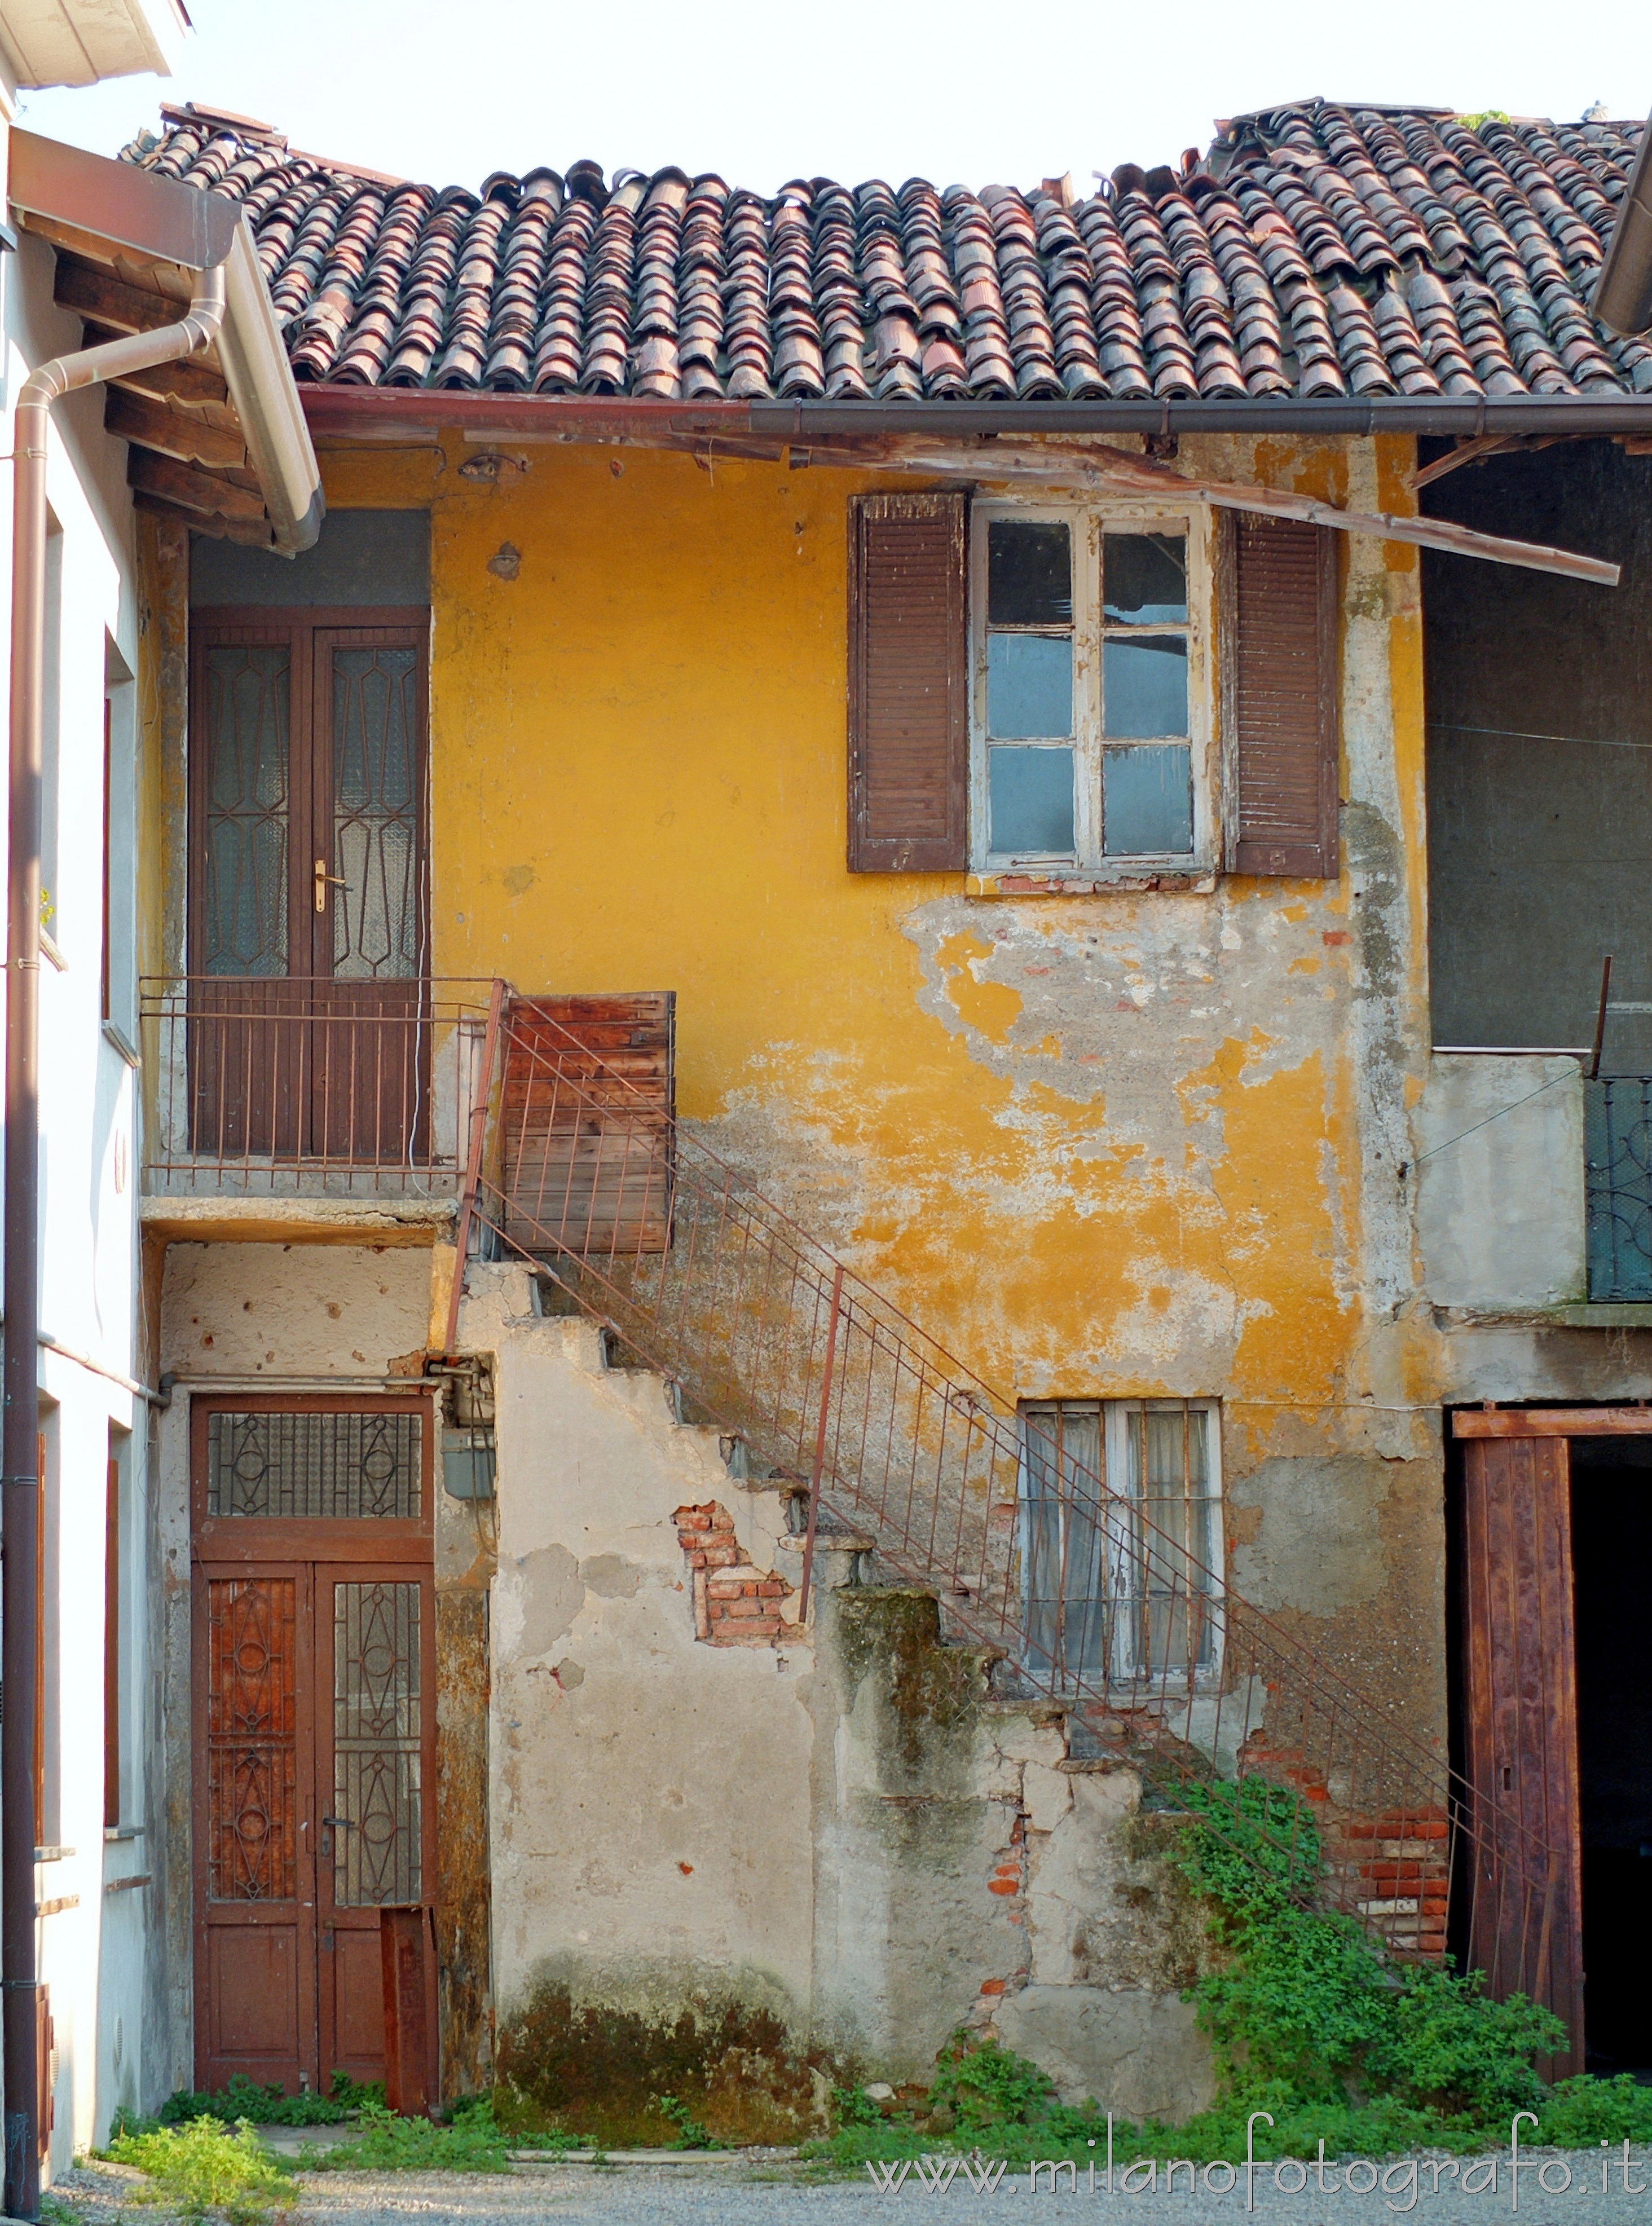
(1315, 251)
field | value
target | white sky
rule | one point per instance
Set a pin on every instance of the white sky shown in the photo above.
(978, 91)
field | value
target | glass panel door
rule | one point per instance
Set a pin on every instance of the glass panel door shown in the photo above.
(374, 1748)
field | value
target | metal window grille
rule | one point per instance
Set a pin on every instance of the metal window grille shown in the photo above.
(341, 1464)
(1116, 1581)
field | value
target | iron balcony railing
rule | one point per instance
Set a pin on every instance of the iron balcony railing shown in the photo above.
(822, 1384)
(284, 1086)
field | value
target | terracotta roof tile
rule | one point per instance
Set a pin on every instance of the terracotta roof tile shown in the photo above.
(1316, 250)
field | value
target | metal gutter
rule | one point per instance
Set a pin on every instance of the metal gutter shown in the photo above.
(260, 381)
(19, 1471)
(69, 193)
(1622, 295)
(379, 412)
(161, 220)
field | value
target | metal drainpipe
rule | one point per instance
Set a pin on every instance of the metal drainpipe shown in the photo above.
(20, 1480)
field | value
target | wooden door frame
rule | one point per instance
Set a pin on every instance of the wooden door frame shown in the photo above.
(245, 1546)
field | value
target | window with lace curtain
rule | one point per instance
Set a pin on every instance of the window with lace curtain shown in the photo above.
(1121, 1540)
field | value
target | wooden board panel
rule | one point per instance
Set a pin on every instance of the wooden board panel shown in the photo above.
(1526, 1930)
(585, 1112)
(1552, 1422)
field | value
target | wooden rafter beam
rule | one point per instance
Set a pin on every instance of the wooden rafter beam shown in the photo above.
(95, 294)
(186, 381)
(170, 432)
(1053, 466)
(1466, 452)
(194, 490)
(1063, 466)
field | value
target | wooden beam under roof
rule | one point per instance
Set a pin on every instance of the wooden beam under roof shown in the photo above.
(194, 490)
(172, 432)
(93, 293)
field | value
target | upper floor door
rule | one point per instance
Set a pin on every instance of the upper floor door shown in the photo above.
(308, 908)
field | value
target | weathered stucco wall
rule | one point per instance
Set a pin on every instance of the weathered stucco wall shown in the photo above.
(1102, 1146)
(742, 1873)
(1500, 1211)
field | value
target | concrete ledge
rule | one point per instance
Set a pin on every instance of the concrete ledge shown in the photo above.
(1631, 1315)
(298, 1220)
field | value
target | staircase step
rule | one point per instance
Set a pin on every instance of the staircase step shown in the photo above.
(553, 1298)
(622, 1358)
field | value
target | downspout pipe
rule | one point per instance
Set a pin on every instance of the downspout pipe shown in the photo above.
(20, 1481)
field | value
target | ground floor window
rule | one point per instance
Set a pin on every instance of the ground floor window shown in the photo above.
(1121, 1538)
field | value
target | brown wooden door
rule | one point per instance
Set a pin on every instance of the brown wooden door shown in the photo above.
(1526, 1930)
(308, 911)
(254, 1931)
(315, 1716)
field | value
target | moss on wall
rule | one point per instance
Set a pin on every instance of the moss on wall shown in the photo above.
(599, 2070)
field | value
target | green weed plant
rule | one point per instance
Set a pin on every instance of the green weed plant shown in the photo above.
(1308, 2019)
(204, 2169)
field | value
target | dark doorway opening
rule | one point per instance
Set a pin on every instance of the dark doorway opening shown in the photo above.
(1611, 1545)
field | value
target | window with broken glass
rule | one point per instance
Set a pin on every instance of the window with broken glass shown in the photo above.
(1090, 697)
(1121, 1524)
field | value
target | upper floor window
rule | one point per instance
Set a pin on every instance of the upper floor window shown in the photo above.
(1033, 692)
(1089, 690)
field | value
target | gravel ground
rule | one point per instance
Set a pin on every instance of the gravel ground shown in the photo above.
(736, 2193)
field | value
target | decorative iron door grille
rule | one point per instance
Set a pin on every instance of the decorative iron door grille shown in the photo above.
(377, 1777)
(293, 1463)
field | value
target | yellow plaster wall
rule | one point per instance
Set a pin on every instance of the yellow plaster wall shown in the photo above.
(1099, 1145)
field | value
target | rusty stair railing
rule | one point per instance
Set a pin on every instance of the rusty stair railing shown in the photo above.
(822, 1384)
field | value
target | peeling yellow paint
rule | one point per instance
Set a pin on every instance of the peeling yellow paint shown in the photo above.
(1090, 1142)
(992, 1007)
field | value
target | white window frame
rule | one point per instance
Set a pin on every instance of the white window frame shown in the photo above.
(1124, 1667)
(1087, 522)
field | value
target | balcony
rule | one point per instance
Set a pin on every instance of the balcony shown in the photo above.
(326, 1088)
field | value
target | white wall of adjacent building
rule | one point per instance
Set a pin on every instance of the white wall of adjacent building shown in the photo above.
(97, 1934)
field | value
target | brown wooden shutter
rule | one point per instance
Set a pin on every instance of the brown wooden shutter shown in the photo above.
(909, 685)
(1283, 699)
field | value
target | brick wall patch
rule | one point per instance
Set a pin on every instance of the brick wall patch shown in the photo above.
(735, 1603)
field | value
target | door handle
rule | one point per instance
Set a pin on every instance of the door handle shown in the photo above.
(324, 880)
(331, 1825)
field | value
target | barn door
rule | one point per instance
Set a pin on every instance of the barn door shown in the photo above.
(1525, 1931)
